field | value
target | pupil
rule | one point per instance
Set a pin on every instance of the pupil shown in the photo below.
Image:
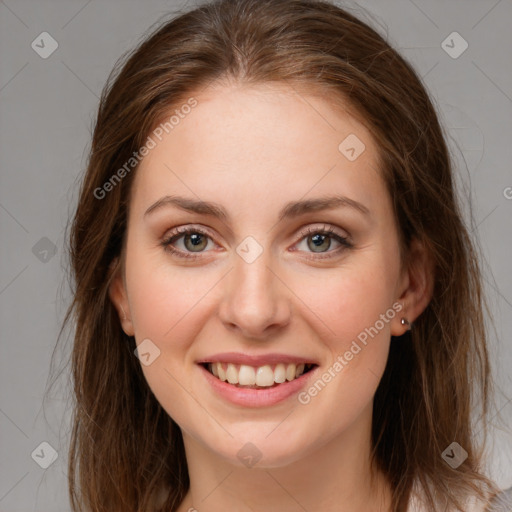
(318, 240)
(195, 238)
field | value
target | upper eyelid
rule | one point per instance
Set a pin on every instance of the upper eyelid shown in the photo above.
(302, 231)
(327, 229)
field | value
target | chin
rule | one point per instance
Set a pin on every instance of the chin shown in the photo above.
(252, 448)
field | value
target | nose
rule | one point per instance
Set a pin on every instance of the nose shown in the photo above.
(256, 301)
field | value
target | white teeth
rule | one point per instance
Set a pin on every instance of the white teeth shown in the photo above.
(247, 376)
(280, 373)
(262, 376)
(222, 372)
(290, 372)
(232, 374)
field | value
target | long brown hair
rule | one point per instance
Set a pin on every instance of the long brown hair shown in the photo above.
(124, 447)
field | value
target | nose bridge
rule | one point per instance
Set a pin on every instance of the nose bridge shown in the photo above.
(254, 298)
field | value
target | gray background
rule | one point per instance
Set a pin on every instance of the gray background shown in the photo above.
(47, 108)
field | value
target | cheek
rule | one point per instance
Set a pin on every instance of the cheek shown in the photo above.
(162, 300)
(165, 303)
(353, 311)
(349, 299)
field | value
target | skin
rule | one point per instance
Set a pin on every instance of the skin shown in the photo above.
(252, 149)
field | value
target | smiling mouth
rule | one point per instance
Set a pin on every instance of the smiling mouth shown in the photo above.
(266, 376)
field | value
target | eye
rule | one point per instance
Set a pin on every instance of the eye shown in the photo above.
(320, 240)
(195, 242)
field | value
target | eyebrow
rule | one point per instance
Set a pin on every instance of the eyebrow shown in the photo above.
(290, 210)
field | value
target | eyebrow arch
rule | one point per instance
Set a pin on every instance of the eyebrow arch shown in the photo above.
(290, 210)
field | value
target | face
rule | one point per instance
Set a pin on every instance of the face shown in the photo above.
(278, 278)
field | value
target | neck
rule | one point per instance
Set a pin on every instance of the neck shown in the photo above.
(334, 477)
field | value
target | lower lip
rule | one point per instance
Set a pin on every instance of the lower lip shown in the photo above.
(250, 397)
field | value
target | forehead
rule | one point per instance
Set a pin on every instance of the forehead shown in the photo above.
(243, 143)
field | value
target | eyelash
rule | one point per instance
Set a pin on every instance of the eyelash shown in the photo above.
(178, 233)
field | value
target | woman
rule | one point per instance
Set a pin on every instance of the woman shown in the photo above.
(277, 303)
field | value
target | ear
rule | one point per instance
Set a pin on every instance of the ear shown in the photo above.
(416, 286)
(119, 297)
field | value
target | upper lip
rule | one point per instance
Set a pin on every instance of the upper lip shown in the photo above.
(254, 360)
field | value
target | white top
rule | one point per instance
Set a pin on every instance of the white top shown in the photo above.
(417, 503)
(472, 506)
